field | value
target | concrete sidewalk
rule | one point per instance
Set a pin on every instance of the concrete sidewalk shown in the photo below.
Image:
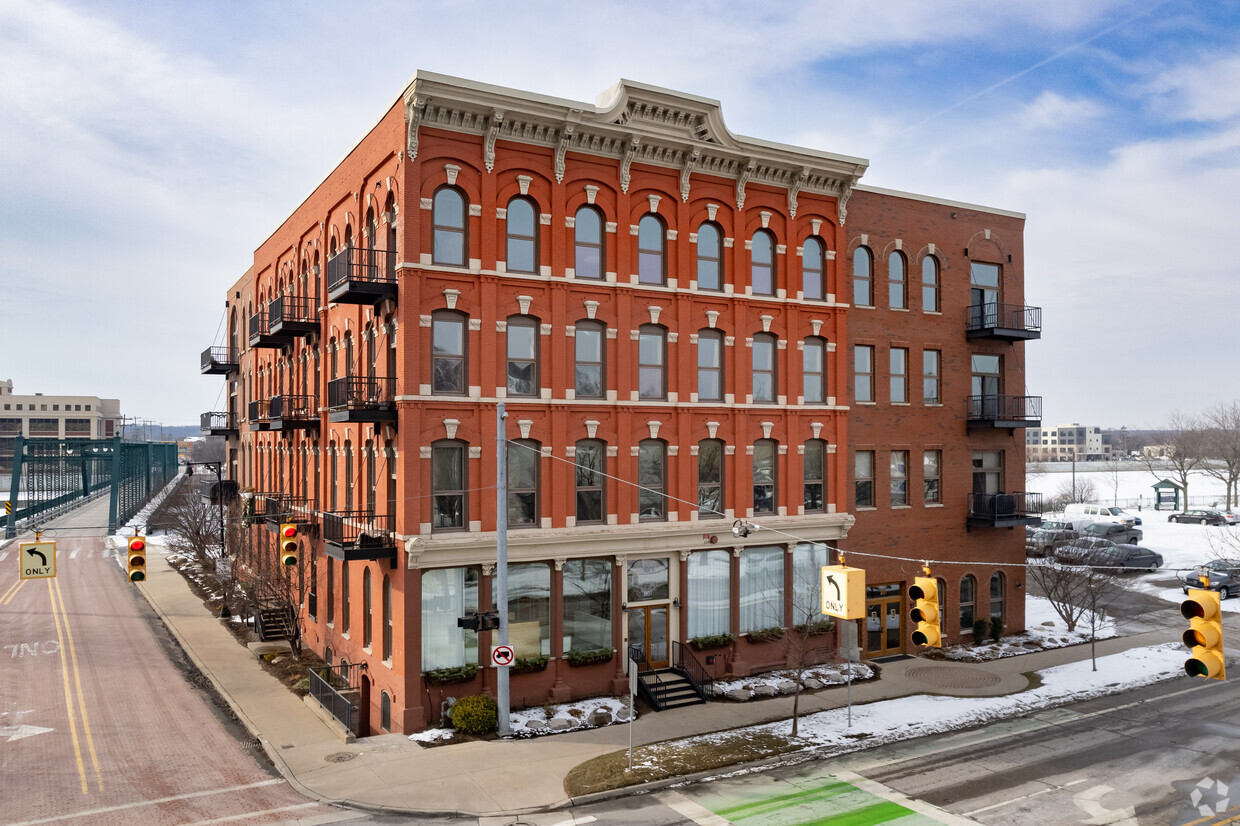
(393, 773)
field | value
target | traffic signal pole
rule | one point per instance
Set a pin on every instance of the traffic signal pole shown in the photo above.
(501, 564)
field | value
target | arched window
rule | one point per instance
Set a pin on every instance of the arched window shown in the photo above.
(897, 282)
(930, 284)
(385, 712)
(371, 503)
(522, 356)
(387, 618)
(813, 269)
(448, 364)
(968, 592)
(814, 371)
(651, 250)
(814, 474)
(998, 588)
(651, 362)
(348, 475)
(331, 594)
(367, 616)
(334, 481)
(652, 477)
(590, 377)
(762, 263)
(523, 505)
(448, 212)
(709, 257)
(590, 462)
(588, 258)
(344, 597)
(764, 453)
(522, 223)
(863, 277)
(764, 348)
(710, 365)
(448, 486)
(710, 479)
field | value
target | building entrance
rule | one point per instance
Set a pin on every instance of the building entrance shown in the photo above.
(648, 633)
(884, 620)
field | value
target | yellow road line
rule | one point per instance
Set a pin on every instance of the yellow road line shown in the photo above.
(77, 679)
(64, 670)
(12, 592)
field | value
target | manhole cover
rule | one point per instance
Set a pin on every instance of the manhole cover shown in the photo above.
(340, 757)
(953, 676)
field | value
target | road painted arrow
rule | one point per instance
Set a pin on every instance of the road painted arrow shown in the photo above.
(11, 733)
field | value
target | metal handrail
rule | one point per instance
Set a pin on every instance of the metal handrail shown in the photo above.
(218, 420)
(293, 407)
(361, 264)
(360, 392)
(290, 308)
(219, 354)
(1015, 504)
(353, 528)
(1002, 407)
(1006, 316)
(326, 690)
(685, 660)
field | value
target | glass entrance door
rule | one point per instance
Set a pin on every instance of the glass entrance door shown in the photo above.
(884, 618)
(648, 633)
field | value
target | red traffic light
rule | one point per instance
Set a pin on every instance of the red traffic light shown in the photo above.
(288, 531)
(137, 543)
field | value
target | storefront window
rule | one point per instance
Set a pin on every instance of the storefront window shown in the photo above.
(587, 604)
(529, 609)
(447, 595)
(710, 593)
(762, 588)
(808, 560)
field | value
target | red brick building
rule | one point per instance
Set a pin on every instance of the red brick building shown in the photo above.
(664, 310)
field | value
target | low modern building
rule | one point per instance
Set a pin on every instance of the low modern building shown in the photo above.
(1066, 443)
(51, 417)
(675, 319)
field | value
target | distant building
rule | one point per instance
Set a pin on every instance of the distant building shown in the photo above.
(1065, 442)
(51, 417)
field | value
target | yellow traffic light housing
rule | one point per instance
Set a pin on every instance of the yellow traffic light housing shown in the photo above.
(1204, 636)
(925, 613)
(288, 543)
(137, 559)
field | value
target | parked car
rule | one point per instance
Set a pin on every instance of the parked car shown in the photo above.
(1202, 516)
(1224, 576)
(1230, 517)
(1128, 557)
(1084, 513)
(1080, 550)
(1046, 539)
(1125, 515)
(1118, 534)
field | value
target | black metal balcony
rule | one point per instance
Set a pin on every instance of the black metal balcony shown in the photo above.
(1005, 510)
(360, 275)
(219, 361)
(361, 399)
(1009, 412)
(220, 423)
(350, 535)
(1004, 322)
(292, 316)
(269, 507)
(293, 413)
(260, 414)
(261, 335)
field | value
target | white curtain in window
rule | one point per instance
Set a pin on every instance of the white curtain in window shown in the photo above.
(710, 593)
(443, 601)
(762, 588)
(808, 560)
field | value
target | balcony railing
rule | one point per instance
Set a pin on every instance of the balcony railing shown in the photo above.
(294, 412)
(261, 334)
(1005, 411)
(359, 534)
(1005, 510)
(220, 423)
(360, 275)
(361, 399)
(1009, 322)
(260, 414)
(337, 689)
(219, 361)
(292, 316)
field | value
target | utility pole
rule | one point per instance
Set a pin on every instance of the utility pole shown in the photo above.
(501, 566)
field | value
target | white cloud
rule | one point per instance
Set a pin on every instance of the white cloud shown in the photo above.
(1207, 91)
(1054, 111)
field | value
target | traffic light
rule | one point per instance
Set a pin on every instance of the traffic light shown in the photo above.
(1204, 635)
(925, 613)
(288, 544)
(137, 558)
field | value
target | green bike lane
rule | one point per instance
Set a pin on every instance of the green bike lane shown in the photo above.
(818, 797)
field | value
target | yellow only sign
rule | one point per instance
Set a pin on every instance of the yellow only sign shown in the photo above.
(843, 592)
(37, 560)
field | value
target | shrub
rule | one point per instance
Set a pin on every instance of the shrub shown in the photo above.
(816, 628)
(476, 714)
(979, 630)
(453, 674)
(771, 634)
(712, 641)
(587, 656)
(524, 665)
(996, 628)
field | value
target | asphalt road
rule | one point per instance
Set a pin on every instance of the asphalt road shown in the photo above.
(102, 718)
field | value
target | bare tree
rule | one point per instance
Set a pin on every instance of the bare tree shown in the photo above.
(810, 638)
(1222, 446)
(1077, 593)
(1184, 442)
(193, 522)
(207, 449)
(1113, 467)
(1078, 489)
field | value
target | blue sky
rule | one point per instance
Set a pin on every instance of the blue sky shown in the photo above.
(146, 149)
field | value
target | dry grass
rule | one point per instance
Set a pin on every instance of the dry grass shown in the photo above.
(659, 761)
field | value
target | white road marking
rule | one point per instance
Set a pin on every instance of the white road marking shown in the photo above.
(139, 805)
(920, 806)
(1003, 803)
(21, 732)
(696, 812)
(246, 815)
(1088, 801)
(576, 821)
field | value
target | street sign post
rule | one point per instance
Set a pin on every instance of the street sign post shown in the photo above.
(37, 560)
(843, 592)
